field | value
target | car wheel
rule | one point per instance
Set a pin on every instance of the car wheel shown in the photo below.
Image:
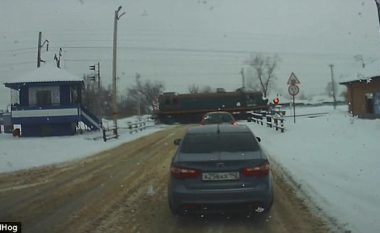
(266, 213)
(270, 204)
(175, 209)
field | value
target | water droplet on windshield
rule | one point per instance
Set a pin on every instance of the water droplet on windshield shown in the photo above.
(259, 209)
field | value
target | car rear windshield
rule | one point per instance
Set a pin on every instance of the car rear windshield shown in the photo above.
(226, 142)
(218, 118)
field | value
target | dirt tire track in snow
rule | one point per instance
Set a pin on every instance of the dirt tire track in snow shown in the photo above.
(125, 190)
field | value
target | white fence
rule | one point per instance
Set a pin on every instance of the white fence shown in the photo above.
(131, 127)
(273, 120)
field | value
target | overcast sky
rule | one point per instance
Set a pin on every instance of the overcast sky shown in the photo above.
(181, 42)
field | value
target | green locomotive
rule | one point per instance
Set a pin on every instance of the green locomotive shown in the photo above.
(188, 108)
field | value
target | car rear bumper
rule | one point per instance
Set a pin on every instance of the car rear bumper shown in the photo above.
(251, 198)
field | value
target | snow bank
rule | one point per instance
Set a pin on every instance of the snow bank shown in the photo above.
(335, 160)
(21, 153)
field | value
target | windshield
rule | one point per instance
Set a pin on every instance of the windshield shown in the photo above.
(94, 92)
(218, 118)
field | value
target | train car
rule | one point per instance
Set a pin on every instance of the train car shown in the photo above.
(188, 108)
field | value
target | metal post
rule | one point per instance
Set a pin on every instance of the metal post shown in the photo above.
(39, 50)
(98, 76)
(39, 46)
(333, 83)
(276, 123)
(104, 135)
(294, 109)
(282, 125)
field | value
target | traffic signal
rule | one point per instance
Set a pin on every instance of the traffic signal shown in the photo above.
(276, 101)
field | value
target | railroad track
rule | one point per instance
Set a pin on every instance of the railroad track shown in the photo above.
(309, 115)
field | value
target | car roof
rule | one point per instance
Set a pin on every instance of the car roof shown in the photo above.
(223, 128)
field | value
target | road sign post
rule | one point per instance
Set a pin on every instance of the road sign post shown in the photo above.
(293, 90)
(294, 109)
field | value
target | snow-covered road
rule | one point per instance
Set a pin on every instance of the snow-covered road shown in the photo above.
(334, 159)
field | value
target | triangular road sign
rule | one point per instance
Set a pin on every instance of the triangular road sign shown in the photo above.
(293, 80)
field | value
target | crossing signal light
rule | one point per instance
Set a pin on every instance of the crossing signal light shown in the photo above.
(276, 100)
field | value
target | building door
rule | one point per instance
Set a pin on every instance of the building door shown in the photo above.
(376, 102)
(369, 103)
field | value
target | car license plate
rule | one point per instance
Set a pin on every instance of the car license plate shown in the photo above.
(210, 176)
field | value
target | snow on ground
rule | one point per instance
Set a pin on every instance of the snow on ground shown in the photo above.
(21, 153)
(333, 158)
(335, 161)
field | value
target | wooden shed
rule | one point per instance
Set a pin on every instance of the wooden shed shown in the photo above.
(363, 96)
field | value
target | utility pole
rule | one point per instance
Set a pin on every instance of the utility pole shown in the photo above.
(114, 91)
(333, 84)
(39, 46)
(138, 95)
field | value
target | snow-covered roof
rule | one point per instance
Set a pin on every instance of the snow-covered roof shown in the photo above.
(369, 72)
(46, 73)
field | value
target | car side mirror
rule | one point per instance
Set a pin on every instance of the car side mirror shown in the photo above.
(177, 141)
(258, 139)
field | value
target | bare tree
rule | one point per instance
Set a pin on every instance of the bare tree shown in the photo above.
(263, 71)
(145, 94)
(96, 98)
(128, 105)
(206, 89)
(193, 89)
(250, 83)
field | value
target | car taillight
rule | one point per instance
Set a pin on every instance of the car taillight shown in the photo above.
(258, 171)
(184, 173)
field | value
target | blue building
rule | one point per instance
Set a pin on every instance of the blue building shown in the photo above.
(49, 103)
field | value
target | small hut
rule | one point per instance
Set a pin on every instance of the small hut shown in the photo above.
(363, 93)
(49, 103)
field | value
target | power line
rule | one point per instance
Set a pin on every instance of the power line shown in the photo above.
(18, 63)
(188, 50)
(15, 50)
(167, 49)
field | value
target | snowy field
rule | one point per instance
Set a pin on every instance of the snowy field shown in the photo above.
(334, 160)
(21, 153)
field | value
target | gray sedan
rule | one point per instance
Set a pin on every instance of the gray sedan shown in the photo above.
(219, 168)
